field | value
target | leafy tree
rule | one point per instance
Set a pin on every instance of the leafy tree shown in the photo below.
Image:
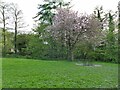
(111, 40)
(71, 27)
(108, 50)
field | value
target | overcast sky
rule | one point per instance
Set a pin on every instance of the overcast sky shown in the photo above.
(29, 7)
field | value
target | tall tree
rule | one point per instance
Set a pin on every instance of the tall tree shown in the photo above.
(111, 26)
(3, 18)
(47, 10)
(101, 15)
(110, 49)
(119, 30)
(71, 27)
(108, 24)
(16, 14)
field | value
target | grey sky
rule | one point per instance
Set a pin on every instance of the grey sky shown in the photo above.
(29, 7)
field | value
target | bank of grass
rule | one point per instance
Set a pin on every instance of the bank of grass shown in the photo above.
(28, 73)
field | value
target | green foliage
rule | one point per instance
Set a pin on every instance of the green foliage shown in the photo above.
(9, 44)
(99, 54)
(111, 53)
(47, 9)
(1, 42)
(85, 52)
(45, 48)
(36, 47)
(42, 45)
(30, 73)
(22, 43)
(56, 49)
(109, 50)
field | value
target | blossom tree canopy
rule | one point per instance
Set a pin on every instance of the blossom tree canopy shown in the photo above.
(70, 27)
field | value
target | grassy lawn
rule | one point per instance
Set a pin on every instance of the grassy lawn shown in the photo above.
(26, 73)
(0, 73)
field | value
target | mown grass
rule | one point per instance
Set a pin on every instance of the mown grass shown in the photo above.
(0, 73)
(26, 73)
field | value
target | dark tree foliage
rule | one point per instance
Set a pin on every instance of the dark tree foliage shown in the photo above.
(47, 11)
(22, 43)
(108, 49)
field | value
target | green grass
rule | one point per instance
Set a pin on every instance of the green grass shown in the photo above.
(0, 73)
(26, 73)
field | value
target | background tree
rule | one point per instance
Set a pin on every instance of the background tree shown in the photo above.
(4, 20)
(17, 20)
(111, 38)
(119, 31)
(108, 48)
(101, 15)
(47, 10)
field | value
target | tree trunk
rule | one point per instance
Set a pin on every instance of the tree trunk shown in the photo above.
(119, 31)
(70, 55)
(4, 36)
(15, 39)
(4, 41)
